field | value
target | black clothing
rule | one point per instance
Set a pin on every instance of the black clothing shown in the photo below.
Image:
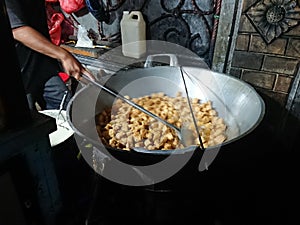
(36, 68)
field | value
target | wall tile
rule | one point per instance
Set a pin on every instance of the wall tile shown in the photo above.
(280, 65)
(294, 32)
(247, 60)
(236, 72)
(245, 25)
(247, 4)
(259, 79)
(275, 97)
(293, 48)
(283, 84)
(257, 44)
(242, 42)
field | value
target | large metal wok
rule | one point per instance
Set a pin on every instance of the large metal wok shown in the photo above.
(235, 101)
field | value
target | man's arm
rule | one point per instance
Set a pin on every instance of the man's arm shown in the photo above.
(36, 41)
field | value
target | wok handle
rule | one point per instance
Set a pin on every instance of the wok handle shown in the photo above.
(149, 60)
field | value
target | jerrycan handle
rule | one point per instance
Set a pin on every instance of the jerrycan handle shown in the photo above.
(135, 15)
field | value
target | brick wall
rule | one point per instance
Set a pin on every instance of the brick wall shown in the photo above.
(270, 67)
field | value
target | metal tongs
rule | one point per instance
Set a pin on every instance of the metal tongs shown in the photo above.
(191, 110)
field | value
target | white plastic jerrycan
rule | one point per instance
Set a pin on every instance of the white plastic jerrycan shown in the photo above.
(133, 34)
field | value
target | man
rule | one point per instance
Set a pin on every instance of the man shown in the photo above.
(41, 60)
